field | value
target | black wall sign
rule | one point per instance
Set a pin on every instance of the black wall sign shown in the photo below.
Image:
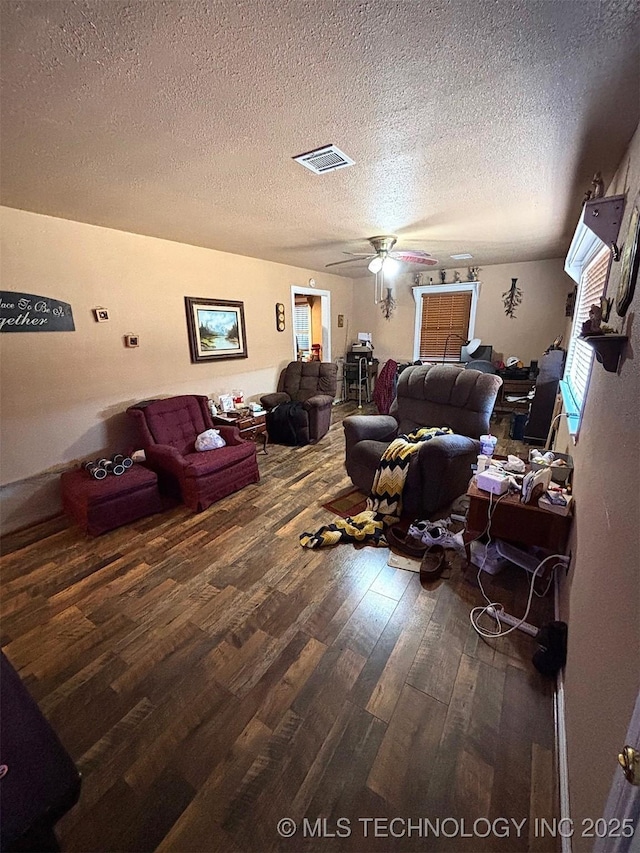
(26, 312)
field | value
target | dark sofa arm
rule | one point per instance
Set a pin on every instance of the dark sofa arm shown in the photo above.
(374, 427)
(318, 401)
(270, 401)
(445, 464)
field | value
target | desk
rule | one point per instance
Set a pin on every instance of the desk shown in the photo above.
(514, 388)
(251, 426)
(522, 524)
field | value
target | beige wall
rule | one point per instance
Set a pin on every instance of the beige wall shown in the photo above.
(601, 596)
(64, 393)
(539, 319)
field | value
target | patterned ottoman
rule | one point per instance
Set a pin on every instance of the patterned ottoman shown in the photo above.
(101, 505)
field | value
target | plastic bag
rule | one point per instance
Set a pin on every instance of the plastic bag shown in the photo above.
(210, 439)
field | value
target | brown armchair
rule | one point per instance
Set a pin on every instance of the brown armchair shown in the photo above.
(167, 431)
(312, 383)
(428, 395)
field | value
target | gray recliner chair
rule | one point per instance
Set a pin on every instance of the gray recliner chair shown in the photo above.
(428, 395)
(312, 383)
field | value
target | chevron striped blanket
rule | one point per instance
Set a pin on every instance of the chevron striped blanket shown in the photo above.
(384, 504)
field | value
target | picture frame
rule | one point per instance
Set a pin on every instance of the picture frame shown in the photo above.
(629, 263)
(216, 329)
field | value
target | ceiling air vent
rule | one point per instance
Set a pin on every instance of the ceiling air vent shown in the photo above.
(325, 159)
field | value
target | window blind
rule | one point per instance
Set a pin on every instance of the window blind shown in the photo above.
(302, 326)
(444, 315)
(580, 355)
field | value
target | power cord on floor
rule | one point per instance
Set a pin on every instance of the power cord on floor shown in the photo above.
(494, 608)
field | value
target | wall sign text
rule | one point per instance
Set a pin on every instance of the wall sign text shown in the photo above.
(27, 312)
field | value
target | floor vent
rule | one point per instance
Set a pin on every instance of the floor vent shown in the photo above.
(326, 159)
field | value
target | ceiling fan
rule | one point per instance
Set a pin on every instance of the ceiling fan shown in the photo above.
(383, 253)
(383, 260)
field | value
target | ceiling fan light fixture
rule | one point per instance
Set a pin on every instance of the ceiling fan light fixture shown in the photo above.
(376, 264)
(391, 265)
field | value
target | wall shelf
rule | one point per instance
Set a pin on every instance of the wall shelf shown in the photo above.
(599, 224)
(603, 216)
(608, 349)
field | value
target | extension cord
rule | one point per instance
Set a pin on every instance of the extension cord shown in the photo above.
(508, 619)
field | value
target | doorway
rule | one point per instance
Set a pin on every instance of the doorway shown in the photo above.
(311, 313)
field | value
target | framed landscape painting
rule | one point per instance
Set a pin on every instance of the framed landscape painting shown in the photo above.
(216, 329)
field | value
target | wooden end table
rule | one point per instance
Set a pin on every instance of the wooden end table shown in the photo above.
(252, 427)
(522, 524)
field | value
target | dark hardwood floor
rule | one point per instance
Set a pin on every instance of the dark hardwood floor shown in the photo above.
(210, 678)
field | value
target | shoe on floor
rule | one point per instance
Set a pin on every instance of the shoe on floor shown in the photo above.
(402, 543)
(431, 535)
(433, 564)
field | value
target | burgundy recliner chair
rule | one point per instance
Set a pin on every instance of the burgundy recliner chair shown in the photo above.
(167, 430)
(312, 383)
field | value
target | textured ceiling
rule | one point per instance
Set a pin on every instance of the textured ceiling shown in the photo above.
(475, 126)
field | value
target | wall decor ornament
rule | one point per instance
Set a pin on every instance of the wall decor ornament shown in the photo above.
(101, 315)
(280, 324)
(629, 263)
(388, 305)
(511, 299)
(216, 329)
(473, 273)
(28, 312)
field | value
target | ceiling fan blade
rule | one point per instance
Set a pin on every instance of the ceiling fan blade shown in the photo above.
(350, 261)
(416, 257)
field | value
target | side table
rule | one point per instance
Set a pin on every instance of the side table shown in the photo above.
(522, 524)
(514, 388)
(253, 427)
